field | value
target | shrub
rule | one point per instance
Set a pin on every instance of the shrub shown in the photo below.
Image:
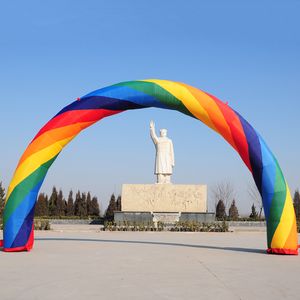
(201, 227)
(179, 226)
(40, 224)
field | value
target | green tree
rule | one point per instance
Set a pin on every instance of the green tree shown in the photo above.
(77, 204)
(83, 206)
(119, 203)
(256, 197)
(223, 191)
(254, 214)
(2, 199)
(47, 206)
(220, 210)
(296, 200)
(41, 207)
(89, 204)
(80, 205)
(61, 204)
(233, 213)
(95, 209)
(109, 214)
(70, 205)
(53, 202)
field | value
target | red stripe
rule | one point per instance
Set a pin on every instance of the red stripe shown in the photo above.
(16, 249)
(30, 241)
(282, 251)
(76, 116)
(28, 245)
(236, 129)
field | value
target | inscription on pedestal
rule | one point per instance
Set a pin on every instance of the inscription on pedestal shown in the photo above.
(164, 197)
(166, 218)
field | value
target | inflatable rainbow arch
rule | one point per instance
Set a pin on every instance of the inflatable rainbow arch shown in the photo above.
(71, 120)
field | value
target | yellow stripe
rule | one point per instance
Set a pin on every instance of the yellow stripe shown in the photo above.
(286, 222)
(51, 136)
(189, 101)
(34, 161)
(214, 112)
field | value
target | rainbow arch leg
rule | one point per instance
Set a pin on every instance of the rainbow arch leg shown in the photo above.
(91, 108)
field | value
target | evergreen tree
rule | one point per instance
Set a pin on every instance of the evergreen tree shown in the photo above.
(83, 211)
(233, 211)
(77, 204)
(109, 215)
(89, 204)
(220, 210)
(118, 204)
(2, 199)
(80, 205)
(53, 202)
(47, 206)
(41, 207)
(95, 210)
(297, 204)
(223, 191)
(70, 205)
(61, 204)
(253, 214)
(256, 197)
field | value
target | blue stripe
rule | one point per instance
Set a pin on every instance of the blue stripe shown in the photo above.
(24, 232)
(268, 176)
(16, 220)
(129, 94)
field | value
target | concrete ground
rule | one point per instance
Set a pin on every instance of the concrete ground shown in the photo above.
(82, 263)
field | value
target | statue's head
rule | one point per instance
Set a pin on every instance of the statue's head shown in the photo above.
(163, 132)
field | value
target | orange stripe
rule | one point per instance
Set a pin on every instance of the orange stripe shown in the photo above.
(52, 136)
(214, 113)
(76, 116)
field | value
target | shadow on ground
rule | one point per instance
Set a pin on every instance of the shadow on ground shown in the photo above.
(235, 249)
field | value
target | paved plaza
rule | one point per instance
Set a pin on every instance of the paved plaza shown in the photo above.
(80, 262)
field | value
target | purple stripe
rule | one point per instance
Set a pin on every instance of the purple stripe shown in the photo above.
(100, 102)
(254, 151)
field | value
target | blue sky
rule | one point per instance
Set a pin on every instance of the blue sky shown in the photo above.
(246, 53)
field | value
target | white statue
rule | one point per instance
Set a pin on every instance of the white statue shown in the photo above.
(164, 159)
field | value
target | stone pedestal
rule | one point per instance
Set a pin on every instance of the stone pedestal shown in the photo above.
(164, 198)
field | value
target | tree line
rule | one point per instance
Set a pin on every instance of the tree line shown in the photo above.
(224, 195)
(84, 205)
(81, 205)
(233, 212)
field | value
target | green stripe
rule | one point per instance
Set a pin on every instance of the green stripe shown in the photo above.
(24, 188)
(159, 93)
(277, 204)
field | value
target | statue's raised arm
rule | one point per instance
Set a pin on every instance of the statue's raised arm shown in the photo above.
(152, 132)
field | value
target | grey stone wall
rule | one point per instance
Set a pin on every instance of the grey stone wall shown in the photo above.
(70, 221)
(146, 217)
(197, 217)
(137, 217)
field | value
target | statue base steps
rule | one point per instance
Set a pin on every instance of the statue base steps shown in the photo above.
(167, 218)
